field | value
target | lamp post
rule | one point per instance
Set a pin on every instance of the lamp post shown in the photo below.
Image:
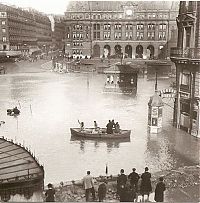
(156, 84)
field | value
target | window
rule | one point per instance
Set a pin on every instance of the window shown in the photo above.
(127, 35)
(106, 27)
(74, 35)
(3, 14)
(3, 22)
(3, 30)
(98, 35)
(118, 26)
(4, 39)
(130, 35)
(129, 26)
(151, 26)
(162, 35)
(86, 16)
(96, 26)
(150, 35)
(162, 26)
(140, 27)
(106, 35)
(185, 80)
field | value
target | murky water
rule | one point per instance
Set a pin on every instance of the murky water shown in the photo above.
(51, 103)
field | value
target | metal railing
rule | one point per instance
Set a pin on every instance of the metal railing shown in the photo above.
(190, 53)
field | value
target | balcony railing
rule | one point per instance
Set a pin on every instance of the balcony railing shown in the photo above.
(188, 53)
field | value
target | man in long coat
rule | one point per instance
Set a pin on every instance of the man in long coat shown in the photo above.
(159, 191)
(145, 187)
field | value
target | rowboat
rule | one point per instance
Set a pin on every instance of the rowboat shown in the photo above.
(101, 133)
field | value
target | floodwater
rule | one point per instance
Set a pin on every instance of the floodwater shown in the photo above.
(51, 103)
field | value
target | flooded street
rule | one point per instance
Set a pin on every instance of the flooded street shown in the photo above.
(52, 103)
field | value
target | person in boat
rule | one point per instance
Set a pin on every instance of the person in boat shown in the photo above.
(109, 127)
(117, 127)
(96, 128)
(81, 125)
(16, 111)
(113, 124)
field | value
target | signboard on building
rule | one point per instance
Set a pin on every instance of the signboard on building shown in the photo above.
(168, 93)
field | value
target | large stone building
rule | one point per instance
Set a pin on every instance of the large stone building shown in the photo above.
(115, 28)
(23, 30)
(186, 57)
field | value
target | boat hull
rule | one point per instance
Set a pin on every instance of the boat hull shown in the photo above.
(89, 133)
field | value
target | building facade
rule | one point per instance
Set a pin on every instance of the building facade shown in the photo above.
(119, 29)
(186, 57)
(23, 30)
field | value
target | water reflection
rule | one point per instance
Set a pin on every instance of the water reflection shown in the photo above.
(110, 144)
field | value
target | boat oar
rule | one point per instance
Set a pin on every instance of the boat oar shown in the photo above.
(19, 104)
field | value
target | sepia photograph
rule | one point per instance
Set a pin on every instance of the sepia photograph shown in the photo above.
(99, 101)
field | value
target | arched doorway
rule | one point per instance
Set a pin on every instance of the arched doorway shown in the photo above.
(118, 51)
(139, 51)
(128, 51)
(96, 50)
(106, 51)
(150, 48)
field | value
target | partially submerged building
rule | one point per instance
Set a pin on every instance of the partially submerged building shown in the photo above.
(186, 57)
(121, 78)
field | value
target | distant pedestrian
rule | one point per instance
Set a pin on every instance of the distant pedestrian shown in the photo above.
(50, 193)
(121, 185)
(88, 183)
(102, 191)
(159, 191)
(146, 184)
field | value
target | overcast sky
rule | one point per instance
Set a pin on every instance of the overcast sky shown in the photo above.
(46, 6)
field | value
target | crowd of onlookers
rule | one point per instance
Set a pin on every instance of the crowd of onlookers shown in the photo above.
(129, 187)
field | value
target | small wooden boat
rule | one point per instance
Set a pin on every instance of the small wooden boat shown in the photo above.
(101, 133)
(10, 112)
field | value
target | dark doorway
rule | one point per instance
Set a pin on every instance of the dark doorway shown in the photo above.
(118, 51)
(151, 51)
(139, 51)
(107, 50)
(128, 51)
(96, 50)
